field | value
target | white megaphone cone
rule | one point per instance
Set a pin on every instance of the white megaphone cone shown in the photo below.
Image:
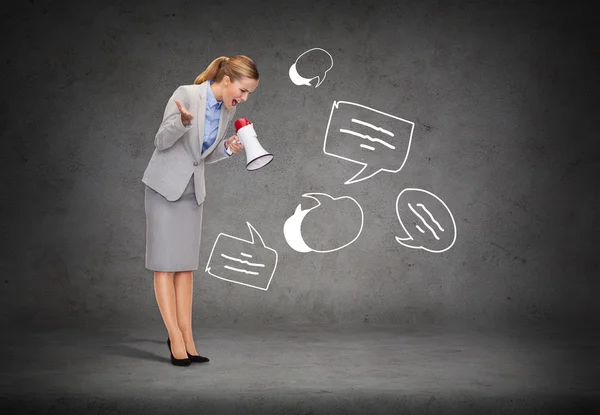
(256, 156)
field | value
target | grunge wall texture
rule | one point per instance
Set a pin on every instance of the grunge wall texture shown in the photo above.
(502, 94)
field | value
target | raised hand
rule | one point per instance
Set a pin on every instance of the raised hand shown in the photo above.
(186, 116)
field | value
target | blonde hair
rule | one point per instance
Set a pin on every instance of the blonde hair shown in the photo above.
(236, 67)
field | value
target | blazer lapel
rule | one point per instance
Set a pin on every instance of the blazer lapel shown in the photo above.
(224, 118)
(201, 113)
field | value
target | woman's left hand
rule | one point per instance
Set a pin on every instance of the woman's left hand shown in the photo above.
(234, 144)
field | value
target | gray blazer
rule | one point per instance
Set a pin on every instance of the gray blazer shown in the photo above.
(177, 155)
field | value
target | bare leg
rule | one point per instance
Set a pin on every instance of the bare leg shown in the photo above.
(166, 299)
(184, 284)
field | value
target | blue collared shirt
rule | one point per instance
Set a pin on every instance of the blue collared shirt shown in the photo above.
(211, 122)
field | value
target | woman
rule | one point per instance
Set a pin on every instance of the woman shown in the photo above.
(192, 134)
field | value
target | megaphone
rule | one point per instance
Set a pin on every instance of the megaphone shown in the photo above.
(256, 156)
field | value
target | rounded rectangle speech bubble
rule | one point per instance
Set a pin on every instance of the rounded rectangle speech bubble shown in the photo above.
(246, 262)
(363, 135)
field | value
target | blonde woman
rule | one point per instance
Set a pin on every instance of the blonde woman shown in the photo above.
(191, 135)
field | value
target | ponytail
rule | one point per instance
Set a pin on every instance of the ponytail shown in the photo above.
(236, 67)
(210, 73)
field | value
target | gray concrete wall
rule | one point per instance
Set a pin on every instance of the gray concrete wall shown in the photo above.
(502, 95)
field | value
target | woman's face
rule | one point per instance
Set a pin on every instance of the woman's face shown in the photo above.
(237, 91)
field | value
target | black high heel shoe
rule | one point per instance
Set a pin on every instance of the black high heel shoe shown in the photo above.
(177, 362)
(198, 359)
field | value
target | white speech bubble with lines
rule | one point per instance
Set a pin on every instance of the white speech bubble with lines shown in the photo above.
(427, 221)
(246, 262)
(372, 138)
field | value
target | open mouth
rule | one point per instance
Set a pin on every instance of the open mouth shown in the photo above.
(234, 103)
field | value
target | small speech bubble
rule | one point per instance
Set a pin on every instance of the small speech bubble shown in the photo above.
(244, 262)
(426, 220)
(363, 135)
(331, 227)
(323, 60)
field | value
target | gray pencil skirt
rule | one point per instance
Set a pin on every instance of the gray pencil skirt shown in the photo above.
(173, 231)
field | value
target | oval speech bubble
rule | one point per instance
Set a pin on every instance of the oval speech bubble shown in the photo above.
(297, 79)
(426, 220)
(336, 209)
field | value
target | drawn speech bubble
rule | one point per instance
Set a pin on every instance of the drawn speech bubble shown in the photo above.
(246, 262)
(426, 220)
(333, 221)
(372, 138)
(324, 60)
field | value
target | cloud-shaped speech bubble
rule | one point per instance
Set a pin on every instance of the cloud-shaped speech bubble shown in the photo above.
(426, 220)
(335, 221)
(244, 262)
(363, 135)
(323, 59)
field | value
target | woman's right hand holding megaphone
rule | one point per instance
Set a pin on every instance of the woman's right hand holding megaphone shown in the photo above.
(234, 144)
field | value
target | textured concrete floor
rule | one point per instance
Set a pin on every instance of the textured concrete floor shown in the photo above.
(303, 370)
